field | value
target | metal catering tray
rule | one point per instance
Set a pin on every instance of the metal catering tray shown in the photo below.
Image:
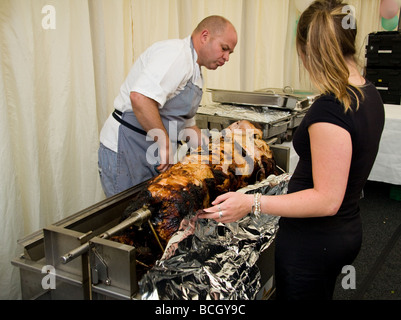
(254, 98)
(219, 116)
(288, 90)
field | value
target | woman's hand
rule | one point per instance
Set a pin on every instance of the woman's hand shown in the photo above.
(229, 207)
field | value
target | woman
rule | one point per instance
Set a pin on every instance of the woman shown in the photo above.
(320, 227)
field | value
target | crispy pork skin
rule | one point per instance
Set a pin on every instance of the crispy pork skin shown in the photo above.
(235, 158)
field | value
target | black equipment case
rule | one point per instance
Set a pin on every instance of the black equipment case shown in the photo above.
(383, 67)
(384, 50)
(387, 82)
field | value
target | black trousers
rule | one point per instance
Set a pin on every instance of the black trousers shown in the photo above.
(309, 260)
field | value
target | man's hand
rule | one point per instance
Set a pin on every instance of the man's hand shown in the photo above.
(147, 112)
(166, 154)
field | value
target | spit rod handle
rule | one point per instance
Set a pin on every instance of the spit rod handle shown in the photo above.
(138, 217)
(75, 253)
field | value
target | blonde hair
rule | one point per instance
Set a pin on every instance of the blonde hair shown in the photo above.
(324, 43)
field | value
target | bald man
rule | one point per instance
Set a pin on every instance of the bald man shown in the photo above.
(157, 104)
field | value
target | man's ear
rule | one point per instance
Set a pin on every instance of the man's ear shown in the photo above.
(204, 36)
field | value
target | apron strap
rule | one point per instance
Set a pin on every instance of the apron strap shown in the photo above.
(117, 114)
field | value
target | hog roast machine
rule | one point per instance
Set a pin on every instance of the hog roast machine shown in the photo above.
(211, 260)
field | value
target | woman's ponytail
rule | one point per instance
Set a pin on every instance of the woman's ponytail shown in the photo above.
(324, 46)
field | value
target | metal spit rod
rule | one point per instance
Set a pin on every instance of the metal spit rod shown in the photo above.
(136, 218)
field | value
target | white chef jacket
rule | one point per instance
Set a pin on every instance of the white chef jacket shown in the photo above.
(160, 73)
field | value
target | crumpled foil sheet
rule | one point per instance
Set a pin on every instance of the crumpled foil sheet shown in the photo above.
(206, 260)
(257, 114)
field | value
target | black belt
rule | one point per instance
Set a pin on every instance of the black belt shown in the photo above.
(118, 113)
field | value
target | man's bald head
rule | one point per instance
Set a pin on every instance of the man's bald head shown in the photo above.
(215, 24)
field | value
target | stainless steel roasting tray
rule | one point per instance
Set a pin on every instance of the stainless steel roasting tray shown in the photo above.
(253, 98)
(288, 90)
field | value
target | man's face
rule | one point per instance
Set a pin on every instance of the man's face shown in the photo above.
(216, 49)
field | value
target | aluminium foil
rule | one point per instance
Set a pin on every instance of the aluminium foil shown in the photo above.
(207, 260)
(254, 114)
